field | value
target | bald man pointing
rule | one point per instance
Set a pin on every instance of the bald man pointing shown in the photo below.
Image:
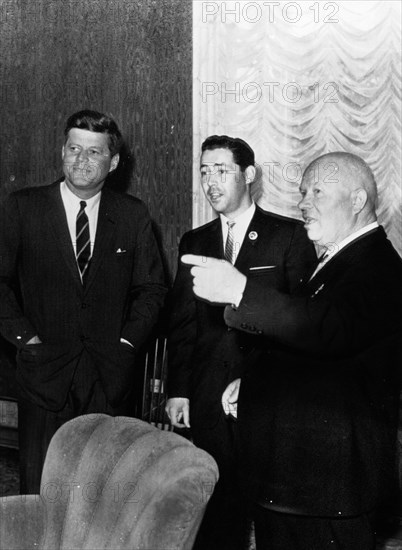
(318, 409)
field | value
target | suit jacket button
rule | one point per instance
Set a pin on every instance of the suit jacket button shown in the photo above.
(243, 325)
(259, 332)
(84, 306)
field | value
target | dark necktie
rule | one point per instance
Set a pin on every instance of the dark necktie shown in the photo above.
(229, 246)
(83, 241)
(322, 258)
(320, 261)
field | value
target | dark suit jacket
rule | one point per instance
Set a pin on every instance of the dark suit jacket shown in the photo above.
(318, 410)
(204, 356)
(41, 291)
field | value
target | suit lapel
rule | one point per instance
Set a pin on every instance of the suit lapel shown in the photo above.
(213, 244)
(57, 219)
(107, 216)
(108, 213)
(257, 227)
(341, 262)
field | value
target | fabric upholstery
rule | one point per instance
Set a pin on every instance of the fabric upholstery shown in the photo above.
(22, 522)
(113, 483)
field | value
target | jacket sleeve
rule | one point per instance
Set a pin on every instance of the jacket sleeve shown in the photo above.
(14, 325)
(182, 329)
(148, 288)
(352, 315)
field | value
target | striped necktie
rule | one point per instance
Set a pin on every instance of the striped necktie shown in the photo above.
(229, 246)
(83, 241)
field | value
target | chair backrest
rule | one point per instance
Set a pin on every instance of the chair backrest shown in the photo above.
(153, 399)
(119, 483)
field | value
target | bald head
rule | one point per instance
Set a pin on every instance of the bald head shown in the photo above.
(339, 197)
(348, 171)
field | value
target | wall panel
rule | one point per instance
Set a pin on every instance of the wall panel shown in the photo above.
(129, 58)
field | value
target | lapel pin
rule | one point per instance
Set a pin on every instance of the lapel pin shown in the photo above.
(253, 235)
(318, 290)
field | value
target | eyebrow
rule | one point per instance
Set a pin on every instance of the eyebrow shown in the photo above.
(227, 166)
(98, 147)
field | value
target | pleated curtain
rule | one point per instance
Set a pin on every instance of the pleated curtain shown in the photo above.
(297, 80)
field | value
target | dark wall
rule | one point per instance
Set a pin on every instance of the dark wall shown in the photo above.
(129, 58)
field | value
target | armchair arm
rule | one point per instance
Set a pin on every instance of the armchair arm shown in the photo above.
(22, 522)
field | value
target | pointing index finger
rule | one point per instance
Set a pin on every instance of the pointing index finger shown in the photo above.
(193, 259)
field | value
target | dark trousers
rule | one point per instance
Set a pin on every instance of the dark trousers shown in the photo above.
(224, 525)
(36, 425)
(278, 531)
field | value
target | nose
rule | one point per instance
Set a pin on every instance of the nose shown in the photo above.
(82, 156)
(212, 178)
(304, 203)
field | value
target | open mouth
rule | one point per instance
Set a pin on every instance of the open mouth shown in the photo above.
(84, 170)
(214, 196)
(308, 221)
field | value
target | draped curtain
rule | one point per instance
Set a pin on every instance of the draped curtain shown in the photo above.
(297, 80)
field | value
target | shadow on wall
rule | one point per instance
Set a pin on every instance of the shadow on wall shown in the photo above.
(120, 181)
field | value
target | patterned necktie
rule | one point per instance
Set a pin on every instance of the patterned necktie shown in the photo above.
(83, 241)
(229, 246)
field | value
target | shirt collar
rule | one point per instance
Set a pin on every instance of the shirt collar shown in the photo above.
(243, 219)
(337, 248)
(73, 201)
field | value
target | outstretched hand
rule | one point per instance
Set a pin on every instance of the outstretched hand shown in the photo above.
(216, 281)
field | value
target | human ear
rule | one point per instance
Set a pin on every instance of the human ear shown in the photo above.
(359, 200)
(114, 162)
(249, 174)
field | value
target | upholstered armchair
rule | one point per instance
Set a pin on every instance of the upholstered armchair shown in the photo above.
(112, 483)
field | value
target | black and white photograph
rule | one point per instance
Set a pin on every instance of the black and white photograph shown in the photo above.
(200, 275)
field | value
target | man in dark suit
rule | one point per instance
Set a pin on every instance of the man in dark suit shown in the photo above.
(81, 285)
(318, 407)
(204, 355)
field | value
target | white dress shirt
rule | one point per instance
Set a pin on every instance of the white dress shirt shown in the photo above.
(72, 206)
(239, 229)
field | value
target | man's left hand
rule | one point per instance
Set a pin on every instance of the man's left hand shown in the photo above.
(230, 397)
(215, 280)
